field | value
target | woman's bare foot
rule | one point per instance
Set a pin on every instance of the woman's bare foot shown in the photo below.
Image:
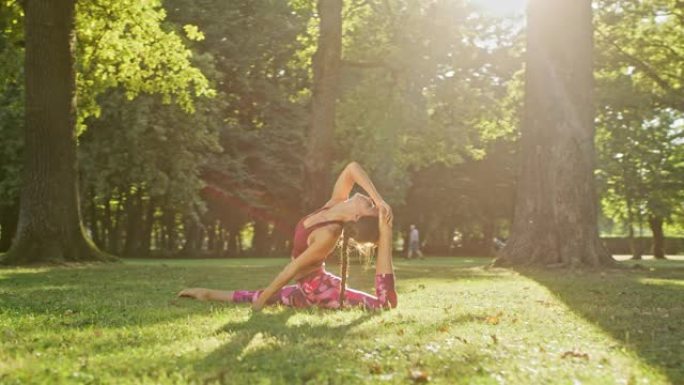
(196, 293)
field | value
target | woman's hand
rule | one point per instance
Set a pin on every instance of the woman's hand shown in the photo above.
(385, 218)
(385, 212)
(258, 305)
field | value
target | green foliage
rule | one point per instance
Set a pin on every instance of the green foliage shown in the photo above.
(261, 76)
(640, 80)
(11, 99)
(424, 83)
(127, 44)
(151, 146)
(121, 44)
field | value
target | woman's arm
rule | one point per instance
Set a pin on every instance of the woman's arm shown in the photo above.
(353, 173)
(383, 263)
(315, 253)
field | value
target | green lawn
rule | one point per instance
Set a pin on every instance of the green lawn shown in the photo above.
(457, 322)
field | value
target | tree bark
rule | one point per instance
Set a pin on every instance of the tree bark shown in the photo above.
(146, 232)
(656, 224)
(326, 73)
(261, 241)
(134, 218)
(192, 242)
(95, 225)
(634, 247)
(555, 220)
(50, 227)
(9, 216)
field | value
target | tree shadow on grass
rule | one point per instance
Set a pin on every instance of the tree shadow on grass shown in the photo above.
(103, 296)
(313, 346)
(642, 308)
(270, 347)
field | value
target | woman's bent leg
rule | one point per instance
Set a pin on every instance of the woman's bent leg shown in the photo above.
(385, 295)
(288, 296)
(327, 293)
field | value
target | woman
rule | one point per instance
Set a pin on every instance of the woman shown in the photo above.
(316, 235)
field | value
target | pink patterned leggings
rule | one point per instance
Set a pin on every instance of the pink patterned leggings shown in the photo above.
(323, 290)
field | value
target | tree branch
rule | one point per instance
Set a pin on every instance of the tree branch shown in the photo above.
(645, 67)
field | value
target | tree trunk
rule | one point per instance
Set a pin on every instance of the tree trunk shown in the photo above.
(555, 220)
(8, 225)
(326, 73)
(170, 231)
(95, 225)
(50, 227)
(261, 242)
(134, 218)
(634, 247)
(146, 232)
(111, 225)
(656, 224)
(488, 230)
(192, 231)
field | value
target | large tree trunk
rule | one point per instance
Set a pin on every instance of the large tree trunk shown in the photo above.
(656, 224)
(326, 73)
(555, 220)
(8, 225)
(50, 227)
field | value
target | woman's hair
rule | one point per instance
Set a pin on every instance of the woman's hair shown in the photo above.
(365, 230)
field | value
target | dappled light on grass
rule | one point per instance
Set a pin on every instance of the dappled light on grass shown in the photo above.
(656, 281)
(457, 323)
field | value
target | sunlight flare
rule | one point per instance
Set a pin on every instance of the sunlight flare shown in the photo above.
(501, 7)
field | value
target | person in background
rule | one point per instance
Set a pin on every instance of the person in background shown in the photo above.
(414, 243)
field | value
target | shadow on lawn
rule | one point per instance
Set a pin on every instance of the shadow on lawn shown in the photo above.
(641, 308)
(105, 296)
(267, 345)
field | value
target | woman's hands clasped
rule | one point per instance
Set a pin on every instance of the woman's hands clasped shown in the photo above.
(385, 218)
(385, 213)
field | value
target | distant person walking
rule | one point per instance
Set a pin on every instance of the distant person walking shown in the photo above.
(414, 243)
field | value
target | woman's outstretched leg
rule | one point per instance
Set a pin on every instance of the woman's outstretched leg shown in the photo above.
(288, 296)
(207, 294)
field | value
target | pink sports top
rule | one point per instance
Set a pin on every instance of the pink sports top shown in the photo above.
(301, 234)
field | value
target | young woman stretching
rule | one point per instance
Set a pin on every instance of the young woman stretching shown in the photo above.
(316, 235)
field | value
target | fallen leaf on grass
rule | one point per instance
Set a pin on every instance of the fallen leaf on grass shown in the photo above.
(375, 368)
(544, 303)
(494, 339)
(575, 354)
(419, 376)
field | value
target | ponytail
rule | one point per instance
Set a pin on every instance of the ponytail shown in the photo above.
(345, 265)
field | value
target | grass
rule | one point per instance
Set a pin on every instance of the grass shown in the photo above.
(457, 323)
